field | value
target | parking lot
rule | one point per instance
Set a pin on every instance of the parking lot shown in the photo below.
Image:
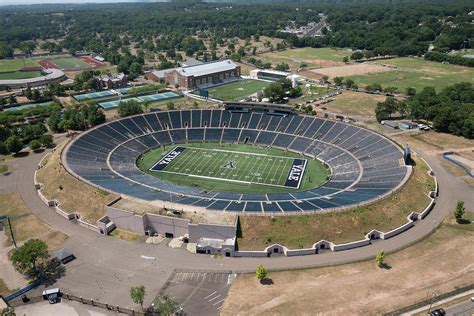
(198, 293)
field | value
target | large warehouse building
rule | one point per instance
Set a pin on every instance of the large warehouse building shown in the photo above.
(203, 75)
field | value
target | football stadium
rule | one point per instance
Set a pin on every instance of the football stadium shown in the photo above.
(250, 158)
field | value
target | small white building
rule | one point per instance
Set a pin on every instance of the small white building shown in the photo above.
(213, 246)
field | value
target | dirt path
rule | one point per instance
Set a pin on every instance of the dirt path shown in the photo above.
(10, 276)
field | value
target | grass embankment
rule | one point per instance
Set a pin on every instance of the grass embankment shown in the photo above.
(73, 194)
(301, 231)
(353, 103)
(127, 235)
(362, 288)
(417, 73)
(315, 174)
(25, 224)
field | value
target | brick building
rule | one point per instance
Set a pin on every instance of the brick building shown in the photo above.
(203, 75)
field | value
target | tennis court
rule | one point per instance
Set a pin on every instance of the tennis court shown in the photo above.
(94, 95)
(150, 98)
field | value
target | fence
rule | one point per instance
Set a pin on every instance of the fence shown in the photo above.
(431, 300)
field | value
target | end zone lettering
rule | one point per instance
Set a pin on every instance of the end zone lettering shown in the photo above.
(296, 173)
(167, 159)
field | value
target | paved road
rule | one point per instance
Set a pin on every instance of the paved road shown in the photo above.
(107, 267)
(465, 308)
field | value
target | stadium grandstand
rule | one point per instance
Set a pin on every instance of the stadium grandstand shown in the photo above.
(364, 166)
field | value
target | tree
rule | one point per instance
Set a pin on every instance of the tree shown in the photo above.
(128, 108)
(357, 56)
(26, 258)
(14, 145)
(165, 305)
(46, 140)
(325, 78)
(12, 99)
(459, 211)
(345, 59)
(379, 258)
(410, 91)
(35, 145)
(195, 104)
(138, 295)
(338, 80)
(55, 88)
(3, 149)
(350, 83)
(170, 105)
(261, 272)
(282, 67)
(9, 311)
(274, 91)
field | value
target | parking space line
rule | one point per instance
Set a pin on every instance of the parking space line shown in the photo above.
(184, 277)
(210, 295)
(222, 300)
(192, 276)
(214, 298)
(215, 279)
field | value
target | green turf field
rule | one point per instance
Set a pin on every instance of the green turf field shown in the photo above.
(234, 168)
(418, 73)
(19, 75)
(71, 63)
(237, 90)
(9, 65)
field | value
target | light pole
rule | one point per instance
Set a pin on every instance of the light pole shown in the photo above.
(431, 302)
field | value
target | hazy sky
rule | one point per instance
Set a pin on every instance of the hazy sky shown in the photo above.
(9, 2)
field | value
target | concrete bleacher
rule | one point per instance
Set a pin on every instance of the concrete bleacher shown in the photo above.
(364, 165)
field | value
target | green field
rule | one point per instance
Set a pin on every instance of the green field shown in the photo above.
(313, 57)
(417, 73)
(71, 63)
(237, 90)
(254, 169)
(9, 65)
(19, 75)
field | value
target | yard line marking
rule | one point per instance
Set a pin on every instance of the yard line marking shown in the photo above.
(214, 298)
(222, 300)
(210, 295)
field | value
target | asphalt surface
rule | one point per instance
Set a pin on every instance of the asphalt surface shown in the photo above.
(106, 267)
(465, 308)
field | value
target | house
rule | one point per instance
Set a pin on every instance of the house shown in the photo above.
(112, 81)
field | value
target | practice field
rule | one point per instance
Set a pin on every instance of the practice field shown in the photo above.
(70, 63)
(313, 57)
(237, 90)
(235, 168)
(8, 65)
(417, 73)
(19, 75)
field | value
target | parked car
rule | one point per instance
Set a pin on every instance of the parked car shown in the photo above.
(438, 312)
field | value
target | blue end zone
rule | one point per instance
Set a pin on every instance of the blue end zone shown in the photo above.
(296, 173)
(167, 159)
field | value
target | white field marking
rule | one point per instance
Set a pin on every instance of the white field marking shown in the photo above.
(210, 295)
(222, 300)
(214, 298)
(238, 152)
(231, 278)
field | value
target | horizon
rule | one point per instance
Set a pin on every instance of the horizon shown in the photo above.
(36, 2)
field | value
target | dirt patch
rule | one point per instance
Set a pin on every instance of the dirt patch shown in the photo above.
(351, 70)
(302, 231)
(92, 62)
(47, 63)
(433, 142)
(361, 288)
(73, 194)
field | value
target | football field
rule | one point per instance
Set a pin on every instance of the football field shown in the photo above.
(233, 166)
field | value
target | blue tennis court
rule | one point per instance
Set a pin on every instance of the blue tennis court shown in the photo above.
(150, 98)
(114, 104)
(94, 95)
(158, 97)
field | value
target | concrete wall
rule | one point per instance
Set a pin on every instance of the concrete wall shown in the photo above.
(197, 231)
(166, 225)
(125, 220)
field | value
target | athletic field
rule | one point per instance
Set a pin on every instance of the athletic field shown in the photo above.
(19, 75)
(237, 90)
(235, 168)
(70, 63)
(8, 65)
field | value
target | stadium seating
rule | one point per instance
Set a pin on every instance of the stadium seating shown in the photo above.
(363, 164)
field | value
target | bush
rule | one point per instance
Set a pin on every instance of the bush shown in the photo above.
(261, 272)
(129, 108)
(13, 144)
(3, 149)
(35, 145)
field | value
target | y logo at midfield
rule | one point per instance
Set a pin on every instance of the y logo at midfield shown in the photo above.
(230, 165)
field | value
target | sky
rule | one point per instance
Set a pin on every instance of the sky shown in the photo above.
(11, 2)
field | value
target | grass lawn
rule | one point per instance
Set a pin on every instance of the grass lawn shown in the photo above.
(304, 230)
(237, 90)
(257, 169)
(313, 57)
(19, 75)
(313, 93)
(417, 73)
(361, 288)
(7, 65)
(353, 103)
(3, 168)
(71, 63)
(70, 192)
(25, 224)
